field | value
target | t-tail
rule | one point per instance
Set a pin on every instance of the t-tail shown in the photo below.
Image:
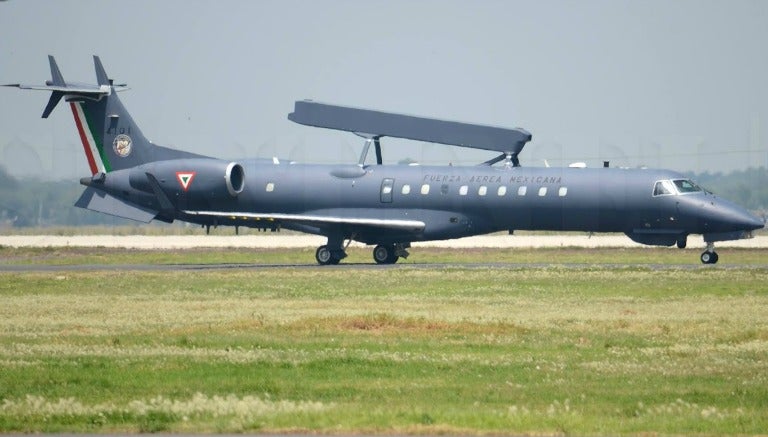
(111, 139)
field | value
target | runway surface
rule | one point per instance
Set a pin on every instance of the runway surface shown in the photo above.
(266, 241)
(143, 242)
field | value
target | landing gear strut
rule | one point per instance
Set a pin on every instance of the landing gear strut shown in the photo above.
(709, 256)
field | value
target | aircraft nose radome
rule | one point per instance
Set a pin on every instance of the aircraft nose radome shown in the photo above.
(725, 216)
(756, 223)
(745, 220)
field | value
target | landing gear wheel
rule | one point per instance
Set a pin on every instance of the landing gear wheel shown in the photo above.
(324, 256)
(682, 242)
(709, 257)
(385, 254)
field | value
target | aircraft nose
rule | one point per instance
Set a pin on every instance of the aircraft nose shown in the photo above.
(753, 222)
(720, 215)
(740, 219)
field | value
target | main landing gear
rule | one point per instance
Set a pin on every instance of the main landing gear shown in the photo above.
(333, 252)
(384, 254)
(709, 256)
(326, 256)
(390, 253)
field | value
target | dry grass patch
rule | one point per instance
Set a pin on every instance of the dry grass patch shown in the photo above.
(390, 324)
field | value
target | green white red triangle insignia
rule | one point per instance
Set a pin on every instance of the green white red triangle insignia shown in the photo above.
(185, 178)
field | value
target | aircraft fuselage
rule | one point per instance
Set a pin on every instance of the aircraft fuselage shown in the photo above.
(452, 201)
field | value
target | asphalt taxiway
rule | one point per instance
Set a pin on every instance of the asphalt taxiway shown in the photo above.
(266, 241)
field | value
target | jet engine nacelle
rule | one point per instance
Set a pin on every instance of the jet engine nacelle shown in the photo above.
(209, 178)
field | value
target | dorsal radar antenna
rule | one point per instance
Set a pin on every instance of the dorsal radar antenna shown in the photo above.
(374, 125)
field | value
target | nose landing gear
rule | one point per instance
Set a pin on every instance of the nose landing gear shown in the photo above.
(709, 256)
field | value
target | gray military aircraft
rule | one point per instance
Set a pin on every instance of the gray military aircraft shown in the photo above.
(387, 206)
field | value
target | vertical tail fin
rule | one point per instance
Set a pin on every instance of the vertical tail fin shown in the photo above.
(111, 139)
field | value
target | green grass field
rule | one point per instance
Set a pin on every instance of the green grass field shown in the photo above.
(412, 350)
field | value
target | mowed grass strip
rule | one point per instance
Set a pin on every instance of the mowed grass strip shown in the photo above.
(410, 350)
(66, 256)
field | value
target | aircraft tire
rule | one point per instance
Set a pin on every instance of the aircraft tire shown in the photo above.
(708, 257)
(385, 254)
(324, 256)
(682, 242)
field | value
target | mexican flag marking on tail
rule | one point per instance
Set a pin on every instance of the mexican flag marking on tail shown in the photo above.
(94, 151)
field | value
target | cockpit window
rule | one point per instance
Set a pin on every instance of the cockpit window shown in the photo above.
(686, 186)
(663, 188)
(675, 187)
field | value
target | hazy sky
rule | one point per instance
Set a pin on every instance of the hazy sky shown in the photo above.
(673, 84)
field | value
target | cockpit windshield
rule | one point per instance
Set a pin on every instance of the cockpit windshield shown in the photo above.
(675, 187)
(686, 186)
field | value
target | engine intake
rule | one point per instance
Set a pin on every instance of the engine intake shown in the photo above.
(235, 178)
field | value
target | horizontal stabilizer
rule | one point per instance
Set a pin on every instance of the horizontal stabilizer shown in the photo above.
(379, 124)
(97, 200)
(61, 89)
(77, 89)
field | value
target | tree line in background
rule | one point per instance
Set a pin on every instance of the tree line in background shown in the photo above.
(30, 202)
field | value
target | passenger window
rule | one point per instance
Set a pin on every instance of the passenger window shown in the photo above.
(406, 189)
(270, 187)
(463, 190)
(502, 190)
(425, 189)
(522, 190)
(482, 190)
(562, 191)
(543, 191)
